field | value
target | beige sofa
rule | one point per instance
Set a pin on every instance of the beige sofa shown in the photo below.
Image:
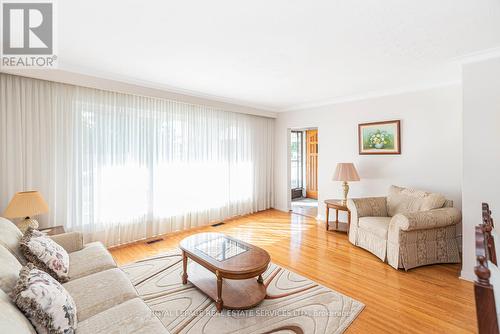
(105, 299)
(408, 228)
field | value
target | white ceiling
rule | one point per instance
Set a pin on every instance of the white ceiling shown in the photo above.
(277, 55)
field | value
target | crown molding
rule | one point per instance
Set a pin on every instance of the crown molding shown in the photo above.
(370, 95)
(477, 56)
(105, 81)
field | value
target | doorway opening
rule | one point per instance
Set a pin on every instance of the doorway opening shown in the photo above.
(304, 172)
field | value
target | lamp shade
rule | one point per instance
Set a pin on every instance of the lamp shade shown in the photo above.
(26, 204)
(345, 171)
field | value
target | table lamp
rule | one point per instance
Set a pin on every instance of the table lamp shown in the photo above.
(345, 172)
(26, 204)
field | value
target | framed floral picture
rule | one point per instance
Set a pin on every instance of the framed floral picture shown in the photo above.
(380, 137)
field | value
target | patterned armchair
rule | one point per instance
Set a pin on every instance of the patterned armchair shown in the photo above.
(408, 228)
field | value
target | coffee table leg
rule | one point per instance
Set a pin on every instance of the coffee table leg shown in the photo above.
(184, 267)
(260, 280)
(218, 302)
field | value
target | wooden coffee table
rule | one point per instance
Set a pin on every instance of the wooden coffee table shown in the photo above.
(233, 260)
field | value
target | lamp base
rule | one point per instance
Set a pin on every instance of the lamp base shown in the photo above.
(27, 223)
(345, 186)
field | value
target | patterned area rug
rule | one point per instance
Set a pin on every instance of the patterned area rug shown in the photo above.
(293, 304)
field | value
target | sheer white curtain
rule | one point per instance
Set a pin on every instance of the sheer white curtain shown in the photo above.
(122, 167)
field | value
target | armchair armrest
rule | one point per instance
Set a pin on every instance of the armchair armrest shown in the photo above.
(368, 207)
(71, 241)
(424, 220)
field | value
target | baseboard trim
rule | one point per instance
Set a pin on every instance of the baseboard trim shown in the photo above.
(467, 276)
(281, 209)
(171, 233)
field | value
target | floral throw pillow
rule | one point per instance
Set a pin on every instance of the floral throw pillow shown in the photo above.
(45, 302)
(45, 254)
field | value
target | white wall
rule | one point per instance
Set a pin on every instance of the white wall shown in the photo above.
(126, 86)
(481, 153)
(431, 144)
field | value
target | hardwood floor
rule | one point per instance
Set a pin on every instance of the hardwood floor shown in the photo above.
(306, 207)
(423, 300)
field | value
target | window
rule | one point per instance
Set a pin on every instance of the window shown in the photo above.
(124, 167)
(297, 159)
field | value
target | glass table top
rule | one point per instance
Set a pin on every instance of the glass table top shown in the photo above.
(221, 248)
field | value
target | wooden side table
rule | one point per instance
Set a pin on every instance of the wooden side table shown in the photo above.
(337, 205)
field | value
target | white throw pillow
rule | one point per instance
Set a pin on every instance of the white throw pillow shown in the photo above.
(10, 236)
(45, 254)
(404, 200)
(45, 302)
(11, 318)
(9, 270)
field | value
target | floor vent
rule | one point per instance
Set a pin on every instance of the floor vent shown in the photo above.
(218, 224)
(149, 242)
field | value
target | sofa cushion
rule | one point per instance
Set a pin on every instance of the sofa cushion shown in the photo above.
(10, 236)
(45, 254)
(45, 302)
(375, 225)
(9, 270)
(132, 316)
(92, 259)
(100, 291)
(70, 241)
(12, 320)
(403, 200)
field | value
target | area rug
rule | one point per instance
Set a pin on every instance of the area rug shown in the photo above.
(294, 304)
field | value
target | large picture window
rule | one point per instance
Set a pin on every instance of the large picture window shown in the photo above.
(122, 167)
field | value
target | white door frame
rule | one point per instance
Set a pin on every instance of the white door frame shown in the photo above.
(289, 163)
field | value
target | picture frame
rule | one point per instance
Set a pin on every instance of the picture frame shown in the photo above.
(380, 137)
